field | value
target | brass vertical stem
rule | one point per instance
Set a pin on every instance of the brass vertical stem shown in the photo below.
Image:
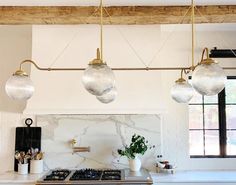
(98, 54)
(182, 70)
(193, 31)
(101, 28)
(205, 50)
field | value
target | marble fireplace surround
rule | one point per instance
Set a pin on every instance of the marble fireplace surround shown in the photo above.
(103, 133)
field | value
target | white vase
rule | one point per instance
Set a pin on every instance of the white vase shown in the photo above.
(23, 169)
(36, 166)
(135, 164)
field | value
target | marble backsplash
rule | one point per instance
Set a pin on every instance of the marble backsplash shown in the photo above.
(103, 133)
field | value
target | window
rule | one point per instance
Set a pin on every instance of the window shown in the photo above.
(212, 123)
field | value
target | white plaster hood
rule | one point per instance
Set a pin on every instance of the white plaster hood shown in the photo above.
(63, 93)
(139, 92)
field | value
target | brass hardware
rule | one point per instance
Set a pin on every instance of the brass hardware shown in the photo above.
(81, 149)
(208, 60)
(119, 69)
(73, 143)
(181, 79)
(98, 60)
(20, 73)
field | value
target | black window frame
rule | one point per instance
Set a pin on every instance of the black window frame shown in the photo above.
(222, 127)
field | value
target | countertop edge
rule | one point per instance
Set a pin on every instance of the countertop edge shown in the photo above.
(196, 176)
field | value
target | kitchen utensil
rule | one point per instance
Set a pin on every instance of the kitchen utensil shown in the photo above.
(27, 138)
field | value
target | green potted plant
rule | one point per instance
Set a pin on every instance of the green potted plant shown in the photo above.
(137, 146)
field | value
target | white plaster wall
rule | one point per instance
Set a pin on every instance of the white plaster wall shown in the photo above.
(15, 46)
(8, 123)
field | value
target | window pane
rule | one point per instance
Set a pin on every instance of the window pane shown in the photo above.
(195, 117)
(196, 143)
(211, 117)
(231, 116)
(212, 142)
(231, 142)
(230, 89)
(196, 99)
(211, 99)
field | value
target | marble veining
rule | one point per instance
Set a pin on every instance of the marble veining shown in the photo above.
(103, 133)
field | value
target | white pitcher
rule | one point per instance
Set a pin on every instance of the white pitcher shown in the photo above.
(135, 164)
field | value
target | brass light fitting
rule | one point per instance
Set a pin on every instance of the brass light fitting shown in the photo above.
(98, 60)
(207, 60)
(20, 73)
(181, 79)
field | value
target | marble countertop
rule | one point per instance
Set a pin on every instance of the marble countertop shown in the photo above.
(195, 177)
(178, 177)
(15, 178)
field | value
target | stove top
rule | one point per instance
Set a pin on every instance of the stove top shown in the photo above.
(86, 174)
(57, 175)
(111, 175)
(83, 174)
(95, 176)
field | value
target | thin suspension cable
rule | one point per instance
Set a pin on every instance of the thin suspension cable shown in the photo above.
(123, 36)
(71, 40)
(162, 46)
(168, 37)
(101, 28)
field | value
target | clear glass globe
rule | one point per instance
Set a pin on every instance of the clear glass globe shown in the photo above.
(108, 97)
(98, 79)
(208, 79)
(182, 92)
(19, 87)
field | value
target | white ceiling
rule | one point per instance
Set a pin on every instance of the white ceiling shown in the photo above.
(111, 2)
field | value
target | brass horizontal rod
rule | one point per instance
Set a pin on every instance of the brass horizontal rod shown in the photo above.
(129, 69)
(116, 69)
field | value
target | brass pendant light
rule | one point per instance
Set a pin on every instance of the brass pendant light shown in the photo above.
(98, 78)
(19, 86)
(182, 91)
(208, 77)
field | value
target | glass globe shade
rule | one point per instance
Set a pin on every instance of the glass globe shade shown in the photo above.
(98, 79)
(19, 87)
(208, 79)
(182, 92)
(109, 96)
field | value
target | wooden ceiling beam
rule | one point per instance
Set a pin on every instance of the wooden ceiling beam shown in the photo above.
(126, 15)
